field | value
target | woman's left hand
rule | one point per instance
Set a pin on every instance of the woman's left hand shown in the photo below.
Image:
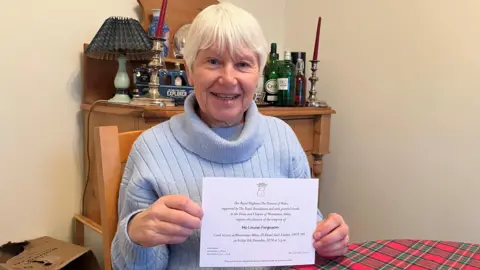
(331, 237)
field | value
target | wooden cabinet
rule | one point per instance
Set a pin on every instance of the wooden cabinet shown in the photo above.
(311, 125)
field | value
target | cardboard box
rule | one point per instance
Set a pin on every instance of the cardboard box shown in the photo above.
(49, 253)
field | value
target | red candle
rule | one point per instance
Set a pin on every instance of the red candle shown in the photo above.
(161, 20)
(315, 48)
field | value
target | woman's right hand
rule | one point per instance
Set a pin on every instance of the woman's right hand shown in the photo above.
(170, 220)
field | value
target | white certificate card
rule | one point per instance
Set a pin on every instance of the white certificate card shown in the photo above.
(254, 222)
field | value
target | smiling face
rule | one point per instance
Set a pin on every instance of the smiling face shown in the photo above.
(224, 84)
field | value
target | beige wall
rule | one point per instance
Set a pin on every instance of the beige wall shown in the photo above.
(41, 81)
(404, 79)
(41, 87)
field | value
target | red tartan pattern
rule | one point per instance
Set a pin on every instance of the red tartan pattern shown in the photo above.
(405, 254)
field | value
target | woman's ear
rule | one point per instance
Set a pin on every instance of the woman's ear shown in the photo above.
(189, 77)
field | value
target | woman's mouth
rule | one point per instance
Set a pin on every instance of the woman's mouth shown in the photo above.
(226, 96)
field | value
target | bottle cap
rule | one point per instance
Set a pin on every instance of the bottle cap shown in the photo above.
(287, 56)
(273, 47)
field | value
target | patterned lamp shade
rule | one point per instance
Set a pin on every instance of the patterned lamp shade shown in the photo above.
(120, 36)
(121, 39)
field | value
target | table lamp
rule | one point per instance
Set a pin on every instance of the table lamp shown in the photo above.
(121, 39)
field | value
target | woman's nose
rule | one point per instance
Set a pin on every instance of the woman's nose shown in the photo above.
(228, 76)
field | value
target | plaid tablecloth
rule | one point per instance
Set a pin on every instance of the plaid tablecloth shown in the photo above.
(405, 254)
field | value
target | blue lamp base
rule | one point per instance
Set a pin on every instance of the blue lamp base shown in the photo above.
(121, 82)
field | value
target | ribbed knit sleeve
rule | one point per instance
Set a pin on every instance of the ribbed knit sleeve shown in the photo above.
(136, 194)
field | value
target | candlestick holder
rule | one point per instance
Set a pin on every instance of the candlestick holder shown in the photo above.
(312, 100)
(157, 69)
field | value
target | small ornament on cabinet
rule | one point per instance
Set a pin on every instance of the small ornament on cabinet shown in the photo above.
(179, 41)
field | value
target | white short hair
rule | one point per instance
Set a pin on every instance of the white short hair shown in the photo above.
(225, 26)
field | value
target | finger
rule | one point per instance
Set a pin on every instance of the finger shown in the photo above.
(176, 240)
(183, 203)
(169, 239)
(340, 244)
(171, 229)
(154, 238)
(178, 217)
(335, 253)
(327, 225)
(336, 235)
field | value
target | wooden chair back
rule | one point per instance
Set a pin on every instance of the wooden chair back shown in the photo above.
(111, 151)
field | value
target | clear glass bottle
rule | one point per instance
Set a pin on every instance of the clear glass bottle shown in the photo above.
(300, 83)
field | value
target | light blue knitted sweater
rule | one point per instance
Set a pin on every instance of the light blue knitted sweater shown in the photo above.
(174, 156)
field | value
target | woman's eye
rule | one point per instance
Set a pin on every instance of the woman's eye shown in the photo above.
(213, 61)
(243, 64)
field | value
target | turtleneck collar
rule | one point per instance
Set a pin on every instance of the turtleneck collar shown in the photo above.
(196, 136)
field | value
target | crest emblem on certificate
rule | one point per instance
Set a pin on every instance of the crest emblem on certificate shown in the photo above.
(261, 189)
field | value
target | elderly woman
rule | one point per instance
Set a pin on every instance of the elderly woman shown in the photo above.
(221, 133)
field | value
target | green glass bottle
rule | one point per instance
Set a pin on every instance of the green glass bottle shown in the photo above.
(271, 76)
(286, 81)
